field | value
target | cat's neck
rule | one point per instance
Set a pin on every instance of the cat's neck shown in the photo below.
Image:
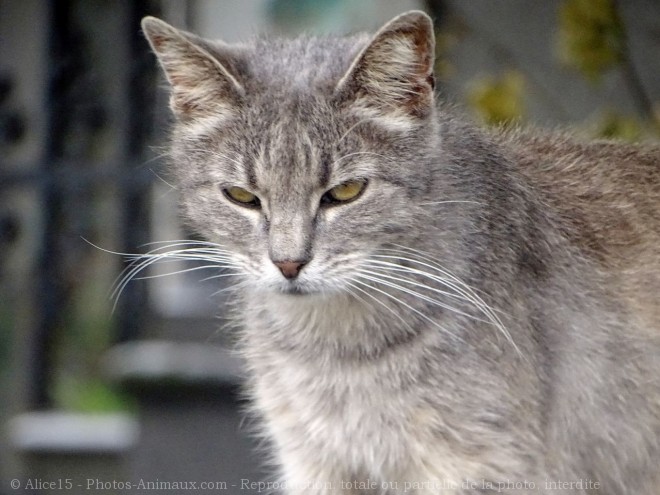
(328, 313)
(313, 324)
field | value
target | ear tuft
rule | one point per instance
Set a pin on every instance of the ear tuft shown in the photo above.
(156, 31)
(201, 85)
(393, 75)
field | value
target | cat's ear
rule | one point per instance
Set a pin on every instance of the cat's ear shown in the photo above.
(202, 85)
(393, 74)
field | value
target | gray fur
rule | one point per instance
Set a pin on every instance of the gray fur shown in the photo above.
(482, 318)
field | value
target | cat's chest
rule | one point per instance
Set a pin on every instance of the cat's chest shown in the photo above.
(308, 388)
(386, 418)
(358, 422)
(347, 411)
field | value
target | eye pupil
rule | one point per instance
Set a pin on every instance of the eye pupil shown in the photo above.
(242, 196)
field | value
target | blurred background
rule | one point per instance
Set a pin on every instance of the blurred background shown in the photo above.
(105, 390)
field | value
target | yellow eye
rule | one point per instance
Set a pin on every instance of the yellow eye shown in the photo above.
(345, 192)
(242, 197)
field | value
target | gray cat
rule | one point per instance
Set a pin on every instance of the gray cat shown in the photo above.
(426, 307)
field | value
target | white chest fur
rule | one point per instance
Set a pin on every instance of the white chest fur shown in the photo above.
(334, 420)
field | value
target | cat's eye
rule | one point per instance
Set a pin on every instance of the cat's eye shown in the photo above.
(344, 192)
(242, 197)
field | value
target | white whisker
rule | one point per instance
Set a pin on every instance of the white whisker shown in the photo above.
(222, 275)
(447, 279)
(403, 303)
(162, 180)
(380, 278)
(353, 127)
(178, 272)
(456, 286)
(385, 266)
(429, 203)
(374, 298)
(348, 155)
(231, 288)
(214, 256)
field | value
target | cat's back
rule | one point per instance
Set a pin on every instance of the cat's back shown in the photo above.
(605, 197)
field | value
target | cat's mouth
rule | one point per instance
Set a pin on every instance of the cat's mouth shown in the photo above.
(294, 289)
(298, 287)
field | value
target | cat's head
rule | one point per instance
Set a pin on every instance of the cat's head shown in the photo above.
(302, 157)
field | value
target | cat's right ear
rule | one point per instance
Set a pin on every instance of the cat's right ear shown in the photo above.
(391, 79)
(202, 86)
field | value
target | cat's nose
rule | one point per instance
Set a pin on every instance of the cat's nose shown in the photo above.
(290, 269)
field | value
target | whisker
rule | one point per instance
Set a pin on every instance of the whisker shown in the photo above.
(460, 291)
(216, 248)
(378, 277)
(368, 304)
(155, 158)
(178, 272)
(201, 251)
(353, 127)
(162, 180)
(374, 298)
(403, 303)
(393, 267)
(348, 155)
(183, 242)
(223, 275)
(429, 203)
(455, 283)
(231, 288)
(140, 261)
(428, 257)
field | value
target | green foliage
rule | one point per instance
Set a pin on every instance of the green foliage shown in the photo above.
(89, 395)
(613, 125)
(86, 335)
(591, 36)
(498, 100)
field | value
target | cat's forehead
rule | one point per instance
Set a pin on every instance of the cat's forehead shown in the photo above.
(282, 119)
(294, 143)
(303, 62)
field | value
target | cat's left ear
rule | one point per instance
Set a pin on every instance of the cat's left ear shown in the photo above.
(393, 74)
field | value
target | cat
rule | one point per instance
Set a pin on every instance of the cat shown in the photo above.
(424, 306)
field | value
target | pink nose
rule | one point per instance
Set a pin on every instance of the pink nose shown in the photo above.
(289, 269)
